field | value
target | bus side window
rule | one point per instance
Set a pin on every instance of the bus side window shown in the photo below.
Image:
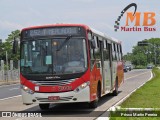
(120, 48)
(97, 50)
(92, 55)
(105, 51)
(113, 52)
(98, 46)
(116, 51)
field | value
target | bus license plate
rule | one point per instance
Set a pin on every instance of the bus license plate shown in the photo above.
(53, 97)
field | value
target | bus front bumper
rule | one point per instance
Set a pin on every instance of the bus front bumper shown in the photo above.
(63, 97)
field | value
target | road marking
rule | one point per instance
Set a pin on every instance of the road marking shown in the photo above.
(14, 88)
(112, 108)
(10, 97)
(133, 91)
(1, 86)
(136, 75)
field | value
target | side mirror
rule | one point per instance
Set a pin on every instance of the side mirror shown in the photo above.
(93, 44)
(15, 47)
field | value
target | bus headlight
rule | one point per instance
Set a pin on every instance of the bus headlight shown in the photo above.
(82, 86)
(26, 89)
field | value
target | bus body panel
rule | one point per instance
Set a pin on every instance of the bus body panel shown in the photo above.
(111, 71)
(44, 88)
(107, 70)
(120, 73)
(114, 71)
(95, 77)
(65, 97)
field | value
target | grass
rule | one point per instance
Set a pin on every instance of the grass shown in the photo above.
(148, 96)
(134, 118)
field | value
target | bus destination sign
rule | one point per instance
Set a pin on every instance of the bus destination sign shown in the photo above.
(52, 31)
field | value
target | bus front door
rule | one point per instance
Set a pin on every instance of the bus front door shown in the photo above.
(107, 68)
(104, 63)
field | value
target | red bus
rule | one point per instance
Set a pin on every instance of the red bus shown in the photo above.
(68, 63)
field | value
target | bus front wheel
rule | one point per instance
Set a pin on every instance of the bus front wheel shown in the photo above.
(94, 103)
(44, 106)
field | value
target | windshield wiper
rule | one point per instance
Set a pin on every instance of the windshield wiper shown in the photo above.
(64, 43)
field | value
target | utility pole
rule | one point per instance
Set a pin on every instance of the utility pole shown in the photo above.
(7, 66)
(155, 59)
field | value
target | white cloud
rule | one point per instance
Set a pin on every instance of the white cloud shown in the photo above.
(9, 25)
(34, 12)
(98, 14)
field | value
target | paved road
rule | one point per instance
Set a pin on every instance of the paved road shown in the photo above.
(9, 91)
(133, 79)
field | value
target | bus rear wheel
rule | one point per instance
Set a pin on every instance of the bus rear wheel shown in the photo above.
(115, 92)
(94, 103)
(44, 106)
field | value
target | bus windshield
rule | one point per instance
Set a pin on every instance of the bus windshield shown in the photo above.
(53, 56)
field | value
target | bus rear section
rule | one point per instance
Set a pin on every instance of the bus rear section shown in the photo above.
(58, 65)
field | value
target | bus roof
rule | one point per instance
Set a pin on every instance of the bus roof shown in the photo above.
(82, 25)
(55, 25)
(104, 35)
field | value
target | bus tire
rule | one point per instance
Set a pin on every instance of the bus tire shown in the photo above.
(115, 92)
(94, 103)
(44, 106)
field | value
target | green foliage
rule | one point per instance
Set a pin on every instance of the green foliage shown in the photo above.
(128, 57)
(7, 46)
(145, 97)
(6, 67)
(139, 59)
(140, 67)
(143, 55)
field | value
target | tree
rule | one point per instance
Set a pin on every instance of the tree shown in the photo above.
(7, 46)
(145, 54)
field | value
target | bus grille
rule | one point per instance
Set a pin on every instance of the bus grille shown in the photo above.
(61, 99)
(53, 82)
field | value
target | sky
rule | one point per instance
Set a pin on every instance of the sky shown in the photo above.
(99, 14)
